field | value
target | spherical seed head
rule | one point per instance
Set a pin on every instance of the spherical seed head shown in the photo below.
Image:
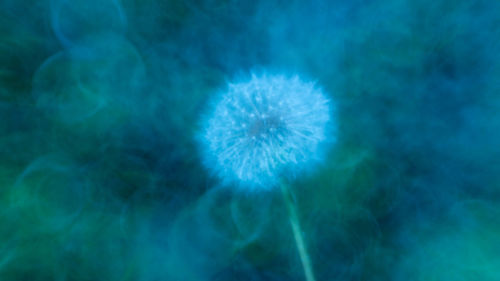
(266, 129)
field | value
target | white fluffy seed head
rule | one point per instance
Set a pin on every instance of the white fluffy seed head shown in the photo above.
(266, 129)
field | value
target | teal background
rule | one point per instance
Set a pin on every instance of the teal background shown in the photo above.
(100, 107)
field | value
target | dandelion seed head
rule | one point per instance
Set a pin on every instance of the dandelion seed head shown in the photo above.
(265, 129)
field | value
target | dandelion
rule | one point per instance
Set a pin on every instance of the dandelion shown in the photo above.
(264, 132)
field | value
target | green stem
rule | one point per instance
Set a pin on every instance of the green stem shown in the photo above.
(297, 233)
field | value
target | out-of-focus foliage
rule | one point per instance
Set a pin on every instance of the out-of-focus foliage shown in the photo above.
(101, 177)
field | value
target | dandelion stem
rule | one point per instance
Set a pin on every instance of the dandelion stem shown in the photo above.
(297, 232)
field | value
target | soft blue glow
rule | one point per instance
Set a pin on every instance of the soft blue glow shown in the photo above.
(265, 129)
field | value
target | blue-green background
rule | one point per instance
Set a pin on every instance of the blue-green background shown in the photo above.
(100, 107)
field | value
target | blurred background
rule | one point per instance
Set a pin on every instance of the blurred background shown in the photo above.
(101, 104)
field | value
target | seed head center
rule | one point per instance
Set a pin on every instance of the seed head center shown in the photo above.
(264, 126)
